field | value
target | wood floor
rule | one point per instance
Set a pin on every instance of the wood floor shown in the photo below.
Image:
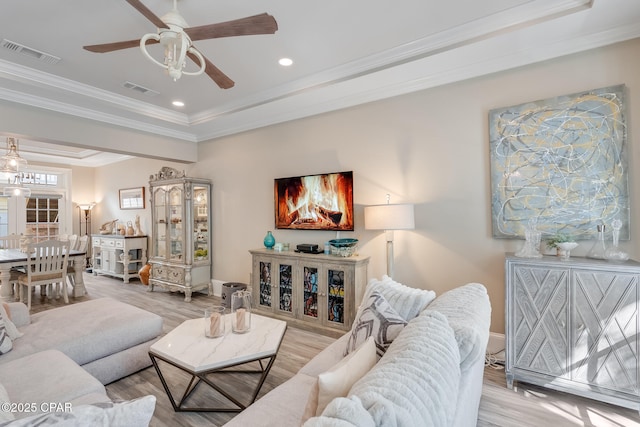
(527, 406)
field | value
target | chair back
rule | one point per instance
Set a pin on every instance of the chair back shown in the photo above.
(12, 241)
(83, 243)
(73, 241)
(47, 260)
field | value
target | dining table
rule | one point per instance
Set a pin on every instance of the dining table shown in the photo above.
(10, 258)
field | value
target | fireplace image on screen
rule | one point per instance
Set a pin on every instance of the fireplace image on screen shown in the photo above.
(315, 202)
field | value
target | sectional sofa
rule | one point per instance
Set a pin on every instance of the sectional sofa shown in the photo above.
(61, 359)
(427, 368)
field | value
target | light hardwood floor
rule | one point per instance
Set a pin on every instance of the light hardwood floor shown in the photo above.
(527, 406)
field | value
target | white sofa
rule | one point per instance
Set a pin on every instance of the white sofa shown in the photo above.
(108, 338)
(430, 375)
(56, 370)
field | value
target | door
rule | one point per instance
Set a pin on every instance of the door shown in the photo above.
(605, 330)
(540, 322)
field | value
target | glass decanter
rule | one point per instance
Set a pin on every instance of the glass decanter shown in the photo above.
(599, 248)
(613, 252)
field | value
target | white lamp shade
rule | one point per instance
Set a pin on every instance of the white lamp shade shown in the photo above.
(389, 217)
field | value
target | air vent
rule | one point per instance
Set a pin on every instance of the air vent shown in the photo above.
(140, 89)
(27, 51)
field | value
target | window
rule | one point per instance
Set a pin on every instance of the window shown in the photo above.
(43, 212)
(4, 216)
(47, 212)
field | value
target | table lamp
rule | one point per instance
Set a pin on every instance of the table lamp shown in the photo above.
(389, 218)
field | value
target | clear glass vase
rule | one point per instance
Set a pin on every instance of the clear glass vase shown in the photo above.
(613, 252)
(599, 247)
(241, 312)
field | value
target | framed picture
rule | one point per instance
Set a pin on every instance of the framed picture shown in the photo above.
(132, 198)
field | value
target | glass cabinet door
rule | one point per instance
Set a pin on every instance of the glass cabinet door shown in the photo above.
(285, 287)
(175, 223)
(200, 222)
(335, 298)
(160, 206)
(265, 283)
(310, 288)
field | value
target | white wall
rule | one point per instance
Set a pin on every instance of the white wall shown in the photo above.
(430, 148)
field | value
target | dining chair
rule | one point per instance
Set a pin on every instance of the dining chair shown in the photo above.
(73, 241)
(12, 241)
(46, 264)
(81, 245)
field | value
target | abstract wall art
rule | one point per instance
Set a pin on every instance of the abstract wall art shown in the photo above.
(562, 162)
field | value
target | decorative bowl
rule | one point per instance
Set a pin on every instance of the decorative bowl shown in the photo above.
(343, 247)
(564, 249)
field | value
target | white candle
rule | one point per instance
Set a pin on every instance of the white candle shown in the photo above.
(240, 319)
(214, 325)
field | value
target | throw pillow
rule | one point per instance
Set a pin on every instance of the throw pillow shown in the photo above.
(375, 318)
(408, 302)
(137, 412)
(337, 381)
(5, 340)
(13, 332)
(5, 415)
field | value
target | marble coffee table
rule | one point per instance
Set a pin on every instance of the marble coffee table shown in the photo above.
(188, 349)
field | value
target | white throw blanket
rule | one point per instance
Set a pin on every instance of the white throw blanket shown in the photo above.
(414, 384)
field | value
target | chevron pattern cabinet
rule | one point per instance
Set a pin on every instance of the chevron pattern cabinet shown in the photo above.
(573, 326)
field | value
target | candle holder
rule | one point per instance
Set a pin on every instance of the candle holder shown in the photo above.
(241, 312)
(214, 321)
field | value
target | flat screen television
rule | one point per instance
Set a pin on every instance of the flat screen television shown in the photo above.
(315, 202)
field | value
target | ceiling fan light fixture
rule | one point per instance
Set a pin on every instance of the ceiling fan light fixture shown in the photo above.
(177, 45)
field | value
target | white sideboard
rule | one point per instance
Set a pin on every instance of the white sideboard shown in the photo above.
(573, 326)
(118, 256)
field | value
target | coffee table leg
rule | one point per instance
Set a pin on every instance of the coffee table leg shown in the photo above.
(177, 407)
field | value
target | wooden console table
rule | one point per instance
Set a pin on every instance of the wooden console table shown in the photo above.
(573, 326)
(313, 291)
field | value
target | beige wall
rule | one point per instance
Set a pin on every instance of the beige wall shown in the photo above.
(430, 148)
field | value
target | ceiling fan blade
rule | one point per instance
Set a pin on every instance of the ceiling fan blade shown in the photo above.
(147, 13)
(110, 47)
(214, 72)
(251, 25)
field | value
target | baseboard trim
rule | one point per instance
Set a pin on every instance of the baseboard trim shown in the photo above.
(496, 346)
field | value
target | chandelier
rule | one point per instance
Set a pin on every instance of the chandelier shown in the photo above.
(11, 165)
(177, 45)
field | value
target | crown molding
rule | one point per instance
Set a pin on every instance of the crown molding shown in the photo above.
(86, 113)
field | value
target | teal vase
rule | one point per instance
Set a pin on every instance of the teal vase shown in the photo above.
(269, 240)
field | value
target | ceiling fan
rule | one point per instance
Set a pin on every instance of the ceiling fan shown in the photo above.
(177, 40)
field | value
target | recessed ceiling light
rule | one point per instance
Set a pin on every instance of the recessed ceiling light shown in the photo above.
(178, 103)
(285, 62)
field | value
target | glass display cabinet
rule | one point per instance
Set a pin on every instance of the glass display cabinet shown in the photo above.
(181, 238)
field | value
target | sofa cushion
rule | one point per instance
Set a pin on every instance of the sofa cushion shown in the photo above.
(47, 376)
(468, 311)
(378, 319)
(414, 384)
(87, 331)
(4, 398)
(408, 302)
(282, 406)
(338, 380)
(5, 340)
(13, 332)
(137, 412)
